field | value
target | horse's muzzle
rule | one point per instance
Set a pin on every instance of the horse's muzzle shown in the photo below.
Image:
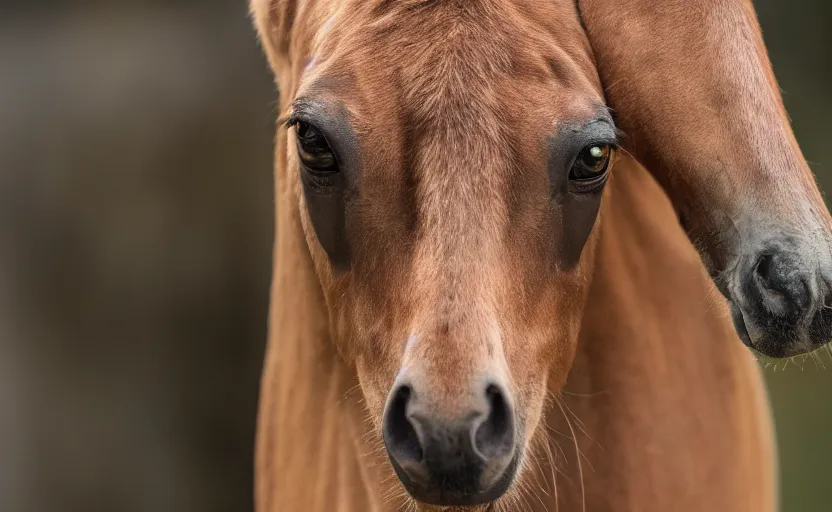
(465, 458)
(781, 296)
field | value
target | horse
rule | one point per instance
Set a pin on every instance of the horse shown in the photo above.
(521, 247)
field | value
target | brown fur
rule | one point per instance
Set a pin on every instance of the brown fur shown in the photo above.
(631, 387)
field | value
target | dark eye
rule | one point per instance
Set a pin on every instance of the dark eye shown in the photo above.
(313, 150)
(591, 165)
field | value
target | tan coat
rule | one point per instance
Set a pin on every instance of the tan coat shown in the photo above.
(660, 407)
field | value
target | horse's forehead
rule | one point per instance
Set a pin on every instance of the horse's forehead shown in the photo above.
(474, 39)
(444, 62)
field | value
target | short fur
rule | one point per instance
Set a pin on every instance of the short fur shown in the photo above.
(632, 389)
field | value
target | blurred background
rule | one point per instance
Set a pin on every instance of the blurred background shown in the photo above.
(135, 248)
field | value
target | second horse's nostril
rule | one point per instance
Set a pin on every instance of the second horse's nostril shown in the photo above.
(763, 268)
(400, 436)
(495, 436)
(784, 285)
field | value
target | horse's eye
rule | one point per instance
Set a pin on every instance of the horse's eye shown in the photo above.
(314, 151)
(591, 164)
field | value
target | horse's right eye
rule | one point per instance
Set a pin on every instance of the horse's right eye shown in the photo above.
(591, 163)
(589, 170)
(313, 150)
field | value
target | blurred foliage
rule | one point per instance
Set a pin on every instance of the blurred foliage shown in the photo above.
(135, 252)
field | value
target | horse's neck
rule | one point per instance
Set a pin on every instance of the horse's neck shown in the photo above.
(310, 452)
(665, 405)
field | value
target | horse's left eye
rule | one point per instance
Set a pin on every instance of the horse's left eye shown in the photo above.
(592, 163)
(313, 150)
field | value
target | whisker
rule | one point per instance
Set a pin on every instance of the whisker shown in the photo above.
(538, 474)
(583, 395)
(554, 471)
(578, 456)
(816, 358)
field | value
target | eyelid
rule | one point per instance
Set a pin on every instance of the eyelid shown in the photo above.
(288, 118)
(295, 113)
(600, 130)
(289, 121)
(293, 119)
(600, 141)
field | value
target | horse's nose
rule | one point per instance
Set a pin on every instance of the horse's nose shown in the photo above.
(463, 458)
(784, 289)
(781, 309)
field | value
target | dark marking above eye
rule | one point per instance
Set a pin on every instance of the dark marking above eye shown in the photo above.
(576, 207)
(327, 192)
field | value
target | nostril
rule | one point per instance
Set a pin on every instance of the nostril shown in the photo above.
(784, 285)
(763, 268)
(495, 436)
(399, 435)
